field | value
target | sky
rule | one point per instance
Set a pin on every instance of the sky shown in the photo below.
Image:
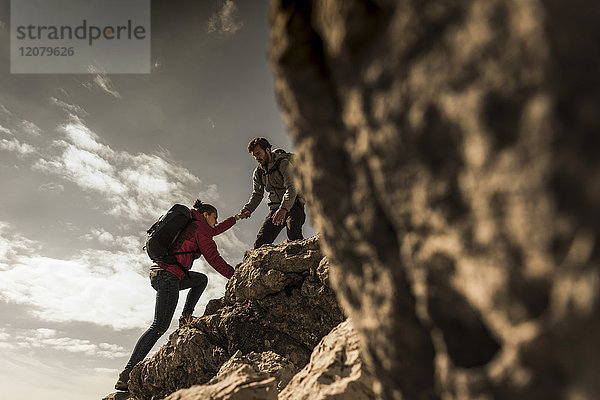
(89, 161)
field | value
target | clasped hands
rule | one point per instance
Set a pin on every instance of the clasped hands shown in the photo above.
(278, 217)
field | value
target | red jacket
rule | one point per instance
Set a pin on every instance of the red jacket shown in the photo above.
(198, 236)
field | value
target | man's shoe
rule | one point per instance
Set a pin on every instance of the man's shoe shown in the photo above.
(123, 379)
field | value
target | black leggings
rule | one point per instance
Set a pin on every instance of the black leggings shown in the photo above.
(167, 288)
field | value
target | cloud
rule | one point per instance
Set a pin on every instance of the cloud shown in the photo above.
(230, 247)
(17, 245)
(69, 108)
(225, 21)
(131, 186)
(102, 82)
(29, 127)
(131, 244)
(15, 146)
(24, 375)
(51, 188)
(5, 130)
(17, 124)
(5, 110)
(98, 286)
(101, 236)
(50, 339)
(135, 186)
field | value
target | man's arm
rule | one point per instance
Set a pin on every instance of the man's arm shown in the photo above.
(289, 197)
(258, 191)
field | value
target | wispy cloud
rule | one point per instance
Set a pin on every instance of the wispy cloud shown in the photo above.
(50, 339)
(102, 81)
(106, 282)
(15, 146)
(35, 375)
(51, 188)
(5, 110)
(211, 123)
(99, 286)
(134, 185)
(29, 128)
(16, 124)
(5, 130)
(69, 108)
(225, 21)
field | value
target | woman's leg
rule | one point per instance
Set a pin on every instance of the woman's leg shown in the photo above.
(196, 282)
(167, 295)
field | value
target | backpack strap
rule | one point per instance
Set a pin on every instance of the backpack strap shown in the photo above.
(275, 166)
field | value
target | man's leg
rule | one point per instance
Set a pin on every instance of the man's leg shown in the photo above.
(196, 282)
(294, 221)
(268, 231)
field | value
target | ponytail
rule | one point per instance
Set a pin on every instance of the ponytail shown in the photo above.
(204, 208)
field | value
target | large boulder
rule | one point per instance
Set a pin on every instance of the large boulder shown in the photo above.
(242, 383)
(450, 156)
(335, 371)
(277, 303)
(239, 378)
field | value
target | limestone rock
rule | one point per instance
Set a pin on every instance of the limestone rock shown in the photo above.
(335, 370)
(239, 383)
(450, 158)
(119, 396)
(274, 322)
(264, 271)
(268, 362)
(189, 357)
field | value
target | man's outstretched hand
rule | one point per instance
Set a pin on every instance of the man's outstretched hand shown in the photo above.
(279, 217)
(245, 213)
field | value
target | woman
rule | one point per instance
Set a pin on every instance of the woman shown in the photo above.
(168, 280)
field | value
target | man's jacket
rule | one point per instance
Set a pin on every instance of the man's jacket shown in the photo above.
(198, 236)
(277, 181)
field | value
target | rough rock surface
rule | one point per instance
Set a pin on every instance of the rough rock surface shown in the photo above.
(335, 370)
(268, 362)
(119, 396)
(275, 310)
(239, 383)
(449, 152)
(245, 377)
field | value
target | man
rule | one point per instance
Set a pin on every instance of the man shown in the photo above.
(286, 206)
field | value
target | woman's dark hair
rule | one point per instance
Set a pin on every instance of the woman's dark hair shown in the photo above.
(204, 208)
(259, 141)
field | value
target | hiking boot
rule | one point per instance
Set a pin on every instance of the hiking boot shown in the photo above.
(122, 381)
(185, 320)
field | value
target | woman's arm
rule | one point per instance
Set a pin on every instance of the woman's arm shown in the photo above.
(208, 247)
(224, 225)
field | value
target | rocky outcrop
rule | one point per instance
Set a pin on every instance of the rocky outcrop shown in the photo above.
(450, 158)
(275, 310)
(119, 396)
(254, 376)
(241, 382)
(335, 371)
